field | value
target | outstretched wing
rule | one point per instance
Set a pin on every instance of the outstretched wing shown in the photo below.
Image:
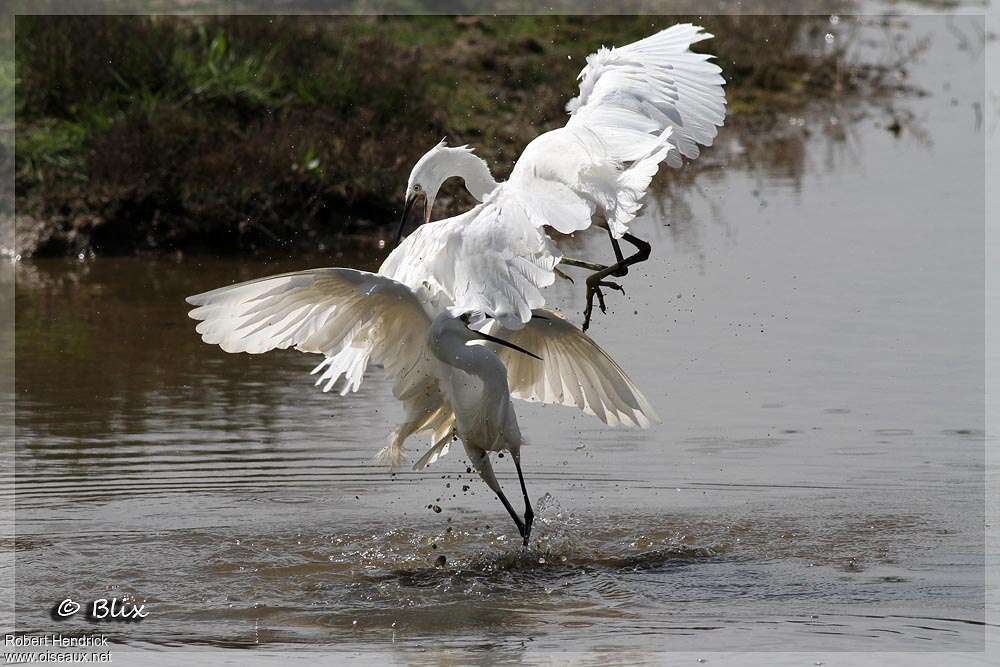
(342, 314)
(312, 310)
(575, 371)
(629, 93)
(639, 105)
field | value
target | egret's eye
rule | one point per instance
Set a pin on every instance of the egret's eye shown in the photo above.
(417, 188)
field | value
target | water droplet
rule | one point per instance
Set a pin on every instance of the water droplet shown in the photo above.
(829, 38)
(834, 20)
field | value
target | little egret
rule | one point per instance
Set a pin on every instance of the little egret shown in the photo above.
(447, 386)
(649, 102)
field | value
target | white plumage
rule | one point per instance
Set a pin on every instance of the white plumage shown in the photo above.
(648, 85)
(640, 105)
(447, 386)
(353, 317)
(576, 372)
(324, 310)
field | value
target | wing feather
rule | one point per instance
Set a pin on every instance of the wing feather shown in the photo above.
(317, 311)
(652, 84)
(575, 372)
(350, 317)
(491, 259)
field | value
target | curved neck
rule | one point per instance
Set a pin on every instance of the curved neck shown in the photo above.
(476, 360)
(475, 173)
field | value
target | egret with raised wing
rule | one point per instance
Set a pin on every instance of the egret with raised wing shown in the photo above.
(447, 386)
(640, 105)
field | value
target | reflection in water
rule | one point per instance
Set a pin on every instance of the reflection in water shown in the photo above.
(808, 329)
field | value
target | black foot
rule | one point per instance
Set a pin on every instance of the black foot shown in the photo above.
(594, 289)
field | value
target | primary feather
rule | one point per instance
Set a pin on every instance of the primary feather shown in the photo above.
(327, 311)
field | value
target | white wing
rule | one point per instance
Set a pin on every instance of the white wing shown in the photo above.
(631, 92)
(634, 101)
(322, 310)
(567, 175)
(492, 258)
(646, 103)
(575, 371)
(312, 310)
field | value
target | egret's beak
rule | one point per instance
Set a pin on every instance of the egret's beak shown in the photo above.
(407, 206)
(427, 208)
(500, 341)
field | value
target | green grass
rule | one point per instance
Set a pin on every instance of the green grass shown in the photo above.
(249, 132)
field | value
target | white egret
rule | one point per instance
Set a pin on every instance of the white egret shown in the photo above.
(446, 386)
(649, 102)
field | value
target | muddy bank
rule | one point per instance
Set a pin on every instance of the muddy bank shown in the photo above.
(278, 134)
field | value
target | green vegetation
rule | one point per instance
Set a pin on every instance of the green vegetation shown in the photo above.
(255, 132)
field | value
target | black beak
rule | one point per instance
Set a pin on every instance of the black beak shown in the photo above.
(410, 201)
(500, 341)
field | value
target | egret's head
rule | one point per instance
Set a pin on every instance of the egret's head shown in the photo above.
(422, 186)
(451, 330)
(435, 167)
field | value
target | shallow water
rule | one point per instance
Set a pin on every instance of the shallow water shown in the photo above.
(810, 328)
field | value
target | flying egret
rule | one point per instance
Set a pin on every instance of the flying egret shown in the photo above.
(649, 102)
(446, 385)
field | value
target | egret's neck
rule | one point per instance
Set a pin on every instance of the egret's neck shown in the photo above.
(476, 174)
(477, 360)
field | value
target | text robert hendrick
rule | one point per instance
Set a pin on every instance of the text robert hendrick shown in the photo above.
(57, 641)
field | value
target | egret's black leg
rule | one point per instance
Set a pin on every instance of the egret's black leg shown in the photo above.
(642, 248)
(594, 284)
(593, 289)
(510, 510)
(619, 258)
(579, 263)
(596, 280)
(529, 514)
(480, 460)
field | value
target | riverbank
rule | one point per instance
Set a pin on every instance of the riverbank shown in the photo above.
(276, 134)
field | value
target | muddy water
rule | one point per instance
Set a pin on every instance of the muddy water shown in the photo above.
(810, 328)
